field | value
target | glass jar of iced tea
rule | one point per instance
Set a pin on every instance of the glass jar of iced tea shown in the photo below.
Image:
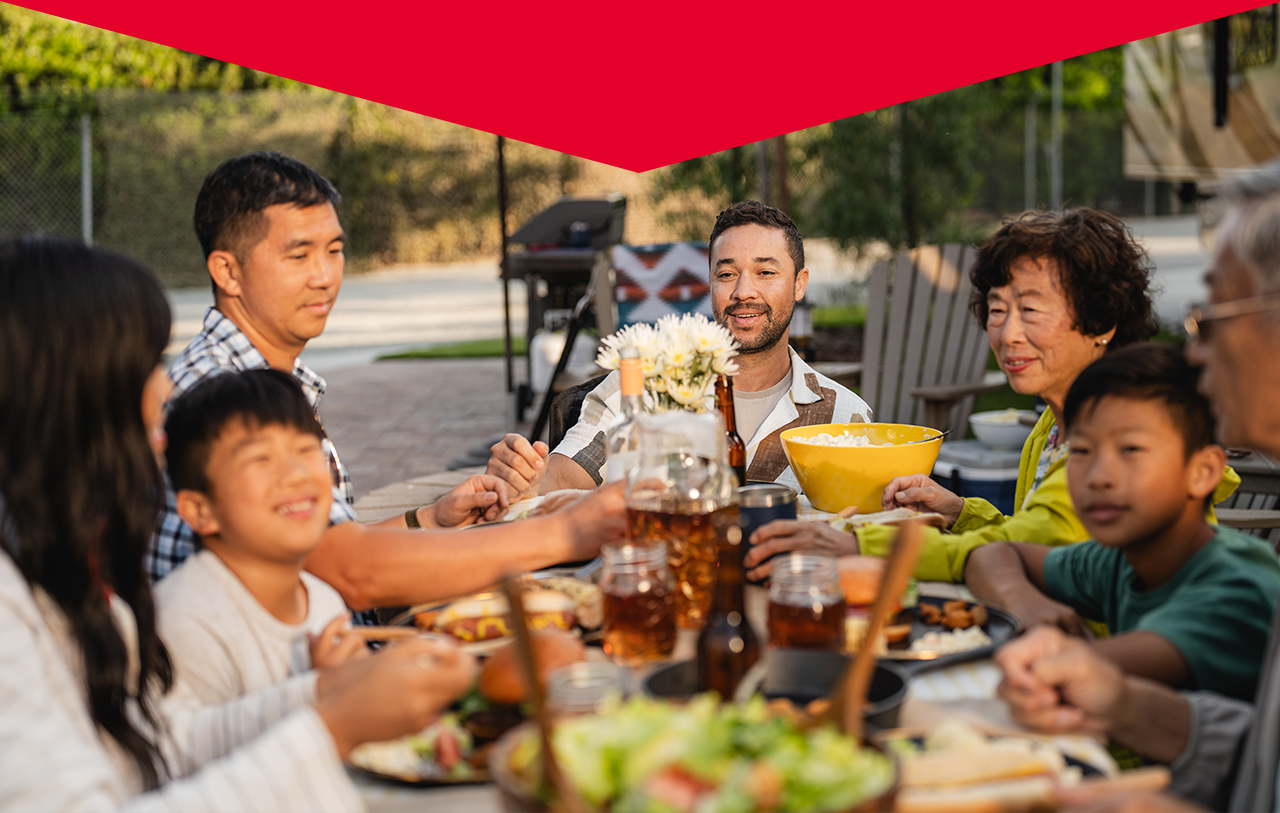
(639, 603)
(683, 495)
(806, 607)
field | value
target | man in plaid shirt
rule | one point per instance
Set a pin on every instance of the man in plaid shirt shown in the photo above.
(273, 244)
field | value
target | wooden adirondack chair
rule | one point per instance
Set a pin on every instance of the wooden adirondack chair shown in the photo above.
(924, 357)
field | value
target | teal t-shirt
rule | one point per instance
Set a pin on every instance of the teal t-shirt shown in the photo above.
(1216, 610)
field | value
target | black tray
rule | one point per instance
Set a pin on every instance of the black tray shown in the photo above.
(1001, 626)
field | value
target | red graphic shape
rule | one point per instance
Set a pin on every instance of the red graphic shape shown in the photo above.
(640, 86)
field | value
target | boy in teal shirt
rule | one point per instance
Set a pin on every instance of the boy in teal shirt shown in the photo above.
(1185, 603)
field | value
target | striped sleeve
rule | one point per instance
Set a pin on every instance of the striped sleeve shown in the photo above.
(292, 767)
(199, 734)
(54, 759)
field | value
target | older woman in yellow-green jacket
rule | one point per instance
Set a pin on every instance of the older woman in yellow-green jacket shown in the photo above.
(1055, 291)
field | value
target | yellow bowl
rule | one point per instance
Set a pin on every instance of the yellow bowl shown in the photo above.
(836, 477)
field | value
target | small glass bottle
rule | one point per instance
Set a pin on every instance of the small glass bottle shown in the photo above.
(735, 448)
(727, 646)
(639, 603)
(622, 441)
(806, 607)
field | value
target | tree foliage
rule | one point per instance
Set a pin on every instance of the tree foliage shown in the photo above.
(49, 62)
(926, 170)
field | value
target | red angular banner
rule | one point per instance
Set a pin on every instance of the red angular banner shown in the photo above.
(640, 86)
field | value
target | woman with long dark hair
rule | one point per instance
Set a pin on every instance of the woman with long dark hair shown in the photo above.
(88, 717)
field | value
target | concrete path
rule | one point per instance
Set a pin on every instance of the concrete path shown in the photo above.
(395, 420)
(389, 310)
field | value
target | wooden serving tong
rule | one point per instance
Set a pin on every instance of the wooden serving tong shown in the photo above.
(851, 697)
(566, 795)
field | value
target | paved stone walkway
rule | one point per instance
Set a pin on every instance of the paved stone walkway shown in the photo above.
(395, 420)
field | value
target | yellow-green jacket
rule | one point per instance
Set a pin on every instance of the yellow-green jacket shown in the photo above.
(1046, 517)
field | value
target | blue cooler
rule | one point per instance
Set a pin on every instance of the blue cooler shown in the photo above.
(971, 468)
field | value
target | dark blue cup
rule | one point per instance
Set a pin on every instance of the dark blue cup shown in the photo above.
(762, 503)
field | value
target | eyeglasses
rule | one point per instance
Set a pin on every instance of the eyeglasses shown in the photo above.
(1201, 317)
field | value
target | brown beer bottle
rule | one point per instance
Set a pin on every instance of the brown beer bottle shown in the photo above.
(733, 441)
(727, 646)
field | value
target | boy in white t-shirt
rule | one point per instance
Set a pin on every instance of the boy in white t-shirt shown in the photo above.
(251, 479)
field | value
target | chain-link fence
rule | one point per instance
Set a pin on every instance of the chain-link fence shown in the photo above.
(41, 180)
(419, 190)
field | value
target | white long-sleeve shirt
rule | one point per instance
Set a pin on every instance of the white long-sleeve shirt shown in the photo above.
(263, 752)
(222, 641)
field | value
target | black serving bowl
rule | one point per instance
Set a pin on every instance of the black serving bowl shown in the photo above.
(801, 676)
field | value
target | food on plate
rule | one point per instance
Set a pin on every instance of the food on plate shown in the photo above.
(441, 752)
(843, 439)
(588, 601)
(485, 617)
(475, 619)
(556, 500)
(501, 680)
(649, 754)
(960, 769)
(548, 609)
(948, 643)
(954, 615)
(850, 520)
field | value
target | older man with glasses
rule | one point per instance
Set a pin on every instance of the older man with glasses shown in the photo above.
(1222, 752)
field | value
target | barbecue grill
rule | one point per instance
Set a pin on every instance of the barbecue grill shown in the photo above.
(565, 267)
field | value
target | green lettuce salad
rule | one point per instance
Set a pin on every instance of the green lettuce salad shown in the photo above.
(649, 756)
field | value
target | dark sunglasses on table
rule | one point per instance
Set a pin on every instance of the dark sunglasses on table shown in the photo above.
(1201, 317)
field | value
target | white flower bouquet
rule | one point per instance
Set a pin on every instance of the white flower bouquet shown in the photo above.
(681, 357)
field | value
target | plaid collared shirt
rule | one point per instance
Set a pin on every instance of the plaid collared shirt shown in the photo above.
(221, 348)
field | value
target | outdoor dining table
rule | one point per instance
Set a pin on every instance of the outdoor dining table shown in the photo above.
(965, 690)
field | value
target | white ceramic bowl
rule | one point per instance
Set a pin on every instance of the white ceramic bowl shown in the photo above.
(1001, 429)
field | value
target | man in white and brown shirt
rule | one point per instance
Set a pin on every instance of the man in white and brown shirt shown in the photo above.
(758, 274)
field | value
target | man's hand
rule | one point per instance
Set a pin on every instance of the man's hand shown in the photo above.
(920, 493)
(336, 644)
(1057, 683)
(518, 463)
(479, 498)
(599, 518)
(784, 535)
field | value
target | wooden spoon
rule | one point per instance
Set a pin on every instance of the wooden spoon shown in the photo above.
(567, 795)
(851, 696)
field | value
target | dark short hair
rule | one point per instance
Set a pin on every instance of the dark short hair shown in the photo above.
(1149, 371)
(750, 212)
(1104, 272)
(229, 209)
(198, 417)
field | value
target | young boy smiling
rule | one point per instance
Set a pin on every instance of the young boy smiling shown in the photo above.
(253, 482)
(1184, 602)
